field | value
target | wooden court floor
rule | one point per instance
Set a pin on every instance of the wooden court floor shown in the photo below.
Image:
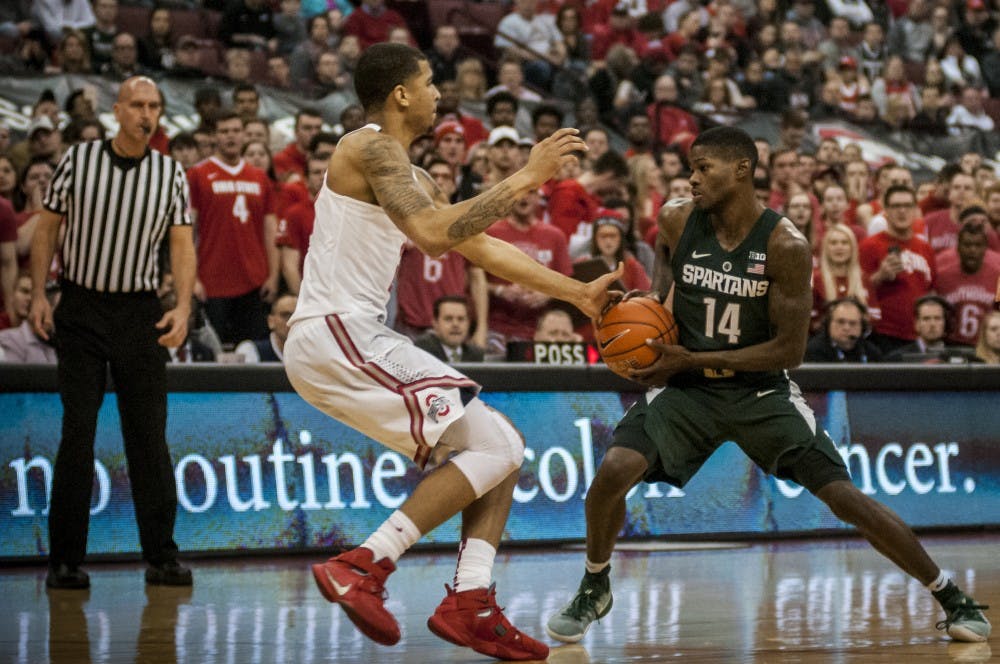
(830, 601)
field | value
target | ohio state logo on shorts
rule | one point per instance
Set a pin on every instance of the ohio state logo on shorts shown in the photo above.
(437, 406)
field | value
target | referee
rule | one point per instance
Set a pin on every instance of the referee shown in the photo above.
(120, 201)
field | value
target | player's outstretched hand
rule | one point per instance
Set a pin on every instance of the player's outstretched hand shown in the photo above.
(672, 360)
(550, 155)
(596, 296)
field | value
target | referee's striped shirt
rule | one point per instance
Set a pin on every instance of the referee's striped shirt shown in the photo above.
(118, 211)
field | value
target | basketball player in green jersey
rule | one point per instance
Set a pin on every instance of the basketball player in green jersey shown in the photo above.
(738, 275)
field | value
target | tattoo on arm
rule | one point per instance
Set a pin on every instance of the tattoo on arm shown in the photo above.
(486, 209)
(431, 187)
(391, 178)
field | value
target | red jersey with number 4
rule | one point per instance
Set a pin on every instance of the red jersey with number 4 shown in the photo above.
(231, 202)
(422, 279)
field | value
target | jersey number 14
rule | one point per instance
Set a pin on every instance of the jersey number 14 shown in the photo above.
(729, 321)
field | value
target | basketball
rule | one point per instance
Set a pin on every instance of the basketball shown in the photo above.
(622, 331)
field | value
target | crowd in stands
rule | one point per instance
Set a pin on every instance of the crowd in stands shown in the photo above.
(906, 268)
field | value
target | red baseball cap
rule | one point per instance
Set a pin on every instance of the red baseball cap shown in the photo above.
(847, 62)
(975, 5)
(445, 128)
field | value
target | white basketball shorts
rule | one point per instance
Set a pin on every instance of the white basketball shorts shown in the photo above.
(375, 380)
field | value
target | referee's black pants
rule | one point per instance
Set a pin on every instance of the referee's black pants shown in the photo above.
(93, 331)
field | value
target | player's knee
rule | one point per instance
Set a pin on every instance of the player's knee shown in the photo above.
(619, 471)
(512, 439)
(509, 445)
(843, 499)
(490, 447)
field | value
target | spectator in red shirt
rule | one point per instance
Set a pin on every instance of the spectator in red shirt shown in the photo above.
(968, 277)
(372, 22)
(834, 212)
(901, 269)
(286, 194)
(619, 29)
(231, 203)
(448, 109)
(8, 257)
(942, 225)
(291, 161)
(671, 124)
(295, 225)
(784, 168)
(449, 142)
(573, 202)
(513, 308)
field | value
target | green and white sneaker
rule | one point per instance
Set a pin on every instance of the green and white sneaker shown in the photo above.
(592, 602)
(965, 621)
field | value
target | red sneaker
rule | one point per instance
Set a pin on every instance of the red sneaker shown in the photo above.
(472, 619)
(357, 583)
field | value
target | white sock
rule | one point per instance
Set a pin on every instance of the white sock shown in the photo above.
(475, 564)
(393, 537)
(597, 568)
(939, 583)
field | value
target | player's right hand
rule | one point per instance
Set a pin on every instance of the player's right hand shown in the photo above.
(40, 315)
(550, 155)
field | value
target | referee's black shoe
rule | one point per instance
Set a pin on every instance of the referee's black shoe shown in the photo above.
(170, 573)
(64, 577)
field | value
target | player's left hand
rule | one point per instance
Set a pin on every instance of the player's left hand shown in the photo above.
(597, 297)
(175, 324)
(672, 360)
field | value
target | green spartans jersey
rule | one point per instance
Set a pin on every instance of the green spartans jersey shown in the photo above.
(721, 297)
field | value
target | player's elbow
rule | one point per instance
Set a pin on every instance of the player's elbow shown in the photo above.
(433, 247)
(791, 355)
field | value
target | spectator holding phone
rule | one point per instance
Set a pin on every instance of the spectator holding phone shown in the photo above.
(900, 267)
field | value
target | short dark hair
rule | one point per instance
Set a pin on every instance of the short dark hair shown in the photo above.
(933, 299)
(381, 68)
(225, 116)
(546, 109)
(899, 189)
(612, 162)
(501, 97)
(310, 111)
(948, 171)
(185, 139)
(444, 299)
(244, 87)
(71, 99)
(731, 143)
(323, 137)
(435, 160)
(204, 94)
(73, 131)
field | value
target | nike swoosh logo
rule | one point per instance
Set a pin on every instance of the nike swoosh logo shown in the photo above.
(695, 254)
(339, 589)
(604, 345)
(764, 393)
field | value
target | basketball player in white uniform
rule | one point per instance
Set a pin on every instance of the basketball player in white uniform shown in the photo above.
(342, 358)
